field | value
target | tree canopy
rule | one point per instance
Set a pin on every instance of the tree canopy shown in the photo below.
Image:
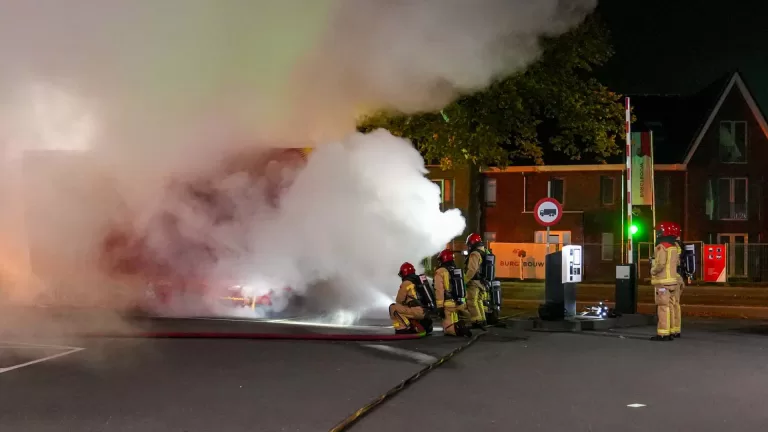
(555, 106)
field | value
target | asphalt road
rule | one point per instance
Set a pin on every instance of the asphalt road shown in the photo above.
(715, 378)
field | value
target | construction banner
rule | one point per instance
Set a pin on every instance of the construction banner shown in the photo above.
(520, 260)
(642, 168)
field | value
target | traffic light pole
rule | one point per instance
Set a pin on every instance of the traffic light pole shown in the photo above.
(630, 258)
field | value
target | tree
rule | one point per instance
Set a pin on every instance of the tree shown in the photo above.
(553, 107)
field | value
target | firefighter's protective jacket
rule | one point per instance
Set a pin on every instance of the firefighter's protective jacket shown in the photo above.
(666, 260)
(474, 262)
(442, 286)
(406, 295)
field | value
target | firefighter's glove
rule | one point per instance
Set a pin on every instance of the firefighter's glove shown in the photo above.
(441, 313)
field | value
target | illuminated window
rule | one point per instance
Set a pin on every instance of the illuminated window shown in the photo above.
(733, 142)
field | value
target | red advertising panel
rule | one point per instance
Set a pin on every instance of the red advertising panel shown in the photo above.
(714, 263)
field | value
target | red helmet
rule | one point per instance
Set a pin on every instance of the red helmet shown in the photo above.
(445, 256)
(667, 229)
(473, 240)
(406, 269)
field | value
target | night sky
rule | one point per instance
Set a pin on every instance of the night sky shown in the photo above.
(680, 46)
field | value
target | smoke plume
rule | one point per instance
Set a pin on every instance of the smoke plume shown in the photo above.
(154, 115)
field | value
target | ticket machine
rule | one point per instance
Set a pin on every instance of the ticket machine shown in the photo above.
(564, 269)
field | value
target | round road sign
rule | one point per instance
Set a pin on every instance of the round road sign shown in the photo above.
(547, 211)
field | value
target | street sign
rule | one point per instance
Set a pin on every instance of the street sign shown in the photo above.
(547, 212)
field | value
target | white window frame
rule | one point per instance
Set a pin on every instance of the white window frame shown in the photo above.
(490, 183)
(562, 179)
(555, 237)
(441, 184)
(733, 124)
(613, 190)
(732, 198)
(604, 246)
(731, 250)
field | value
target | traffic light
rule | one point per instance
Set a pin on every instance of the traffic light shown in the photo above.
(633, 229)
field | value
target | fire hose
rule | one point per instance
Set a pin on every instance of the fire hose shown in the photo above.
(265, 336)
(357, 415)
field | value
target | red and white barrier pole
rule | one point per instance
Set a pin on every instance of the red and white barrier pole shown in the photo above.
(629, 180)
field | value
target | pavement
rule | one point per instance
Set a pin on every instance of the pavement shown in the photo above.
(714, 378)
(700, 301)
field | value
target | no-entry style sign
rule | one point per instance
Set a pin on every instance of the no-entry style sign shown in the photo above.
(547, 212)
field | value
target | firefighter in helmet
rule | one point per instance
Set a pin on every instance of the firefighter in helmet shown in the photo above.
(475, 281)
(664, 278)
(450, 309)
(677, 317)
(407, 310)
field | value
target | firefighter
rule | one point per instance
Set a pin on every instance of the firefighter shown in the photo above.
(665, 279)
(475, 281)
(407, 310)
(450, 309)
(677, 317)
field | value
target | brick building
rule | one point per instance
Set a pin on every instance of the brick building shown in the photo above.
(711, 163)
(711, 159)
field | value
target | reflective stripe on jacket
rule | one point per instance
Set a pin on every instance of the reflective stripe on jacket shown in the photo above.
(664, 270)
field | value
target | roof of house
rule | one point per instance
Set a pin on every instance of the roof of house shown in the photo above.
(674, 119)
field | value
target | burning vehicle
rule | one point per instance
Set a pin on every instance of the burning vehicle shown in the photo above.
(184, 268)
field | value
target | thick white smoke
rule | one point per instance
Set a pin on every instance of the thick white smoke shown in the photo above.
(137, 96)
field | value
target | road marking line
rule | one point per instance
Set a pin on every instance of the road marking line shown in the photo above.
(635, 405)
(413, 355)
(30, 363)
(33, 345)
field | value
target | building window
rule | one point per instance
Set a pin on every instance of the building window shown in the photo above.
(727, 199)
(606, 247)
(489, 237)
(606, 190)
(490, 191)
(737, 253)
(446, 193)
(733, 142)
(661, 189)
(558, 190)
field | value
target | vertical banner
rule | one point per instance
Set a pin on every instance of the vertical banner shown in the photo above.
(642, 168)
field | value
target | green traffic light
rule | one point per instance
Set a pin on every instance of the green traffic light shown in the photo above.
(633, 229)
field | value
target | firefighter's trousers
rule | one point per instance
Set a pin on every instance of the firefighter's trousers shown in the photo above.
(454, 314)
(677, 318)
(475, 306)
(666, 300)
(401, 316)
(486, 301)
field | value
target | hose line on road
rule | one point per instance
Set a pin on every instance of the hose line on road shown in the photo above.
(357, 415)
(269, 336)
